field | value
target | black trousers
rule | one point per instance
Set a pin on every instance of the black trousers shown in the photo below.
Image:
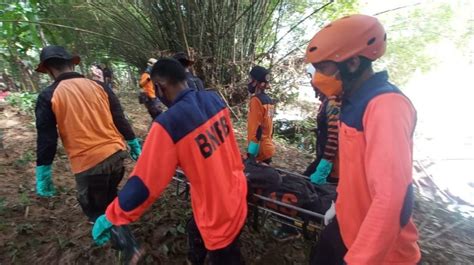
(153, 107)
(97, 187)
(330, 249)
(197, 252)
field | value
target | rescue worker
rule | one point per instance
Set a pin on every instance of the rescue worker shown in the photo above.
(152, 103)
(195, 134)
(194, 82)
(324, 168)
(373, 223)
(90, 121)
(260, 117)
(92, 128)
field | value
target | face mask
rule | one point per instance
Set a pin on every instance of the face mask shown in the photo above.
(329, 85)
(251, 88)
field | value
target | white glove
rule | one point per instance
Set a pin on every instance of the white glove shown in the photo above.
(330, 213)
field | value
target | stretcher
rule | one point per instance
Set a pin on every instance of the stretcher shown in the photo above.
(263, 209)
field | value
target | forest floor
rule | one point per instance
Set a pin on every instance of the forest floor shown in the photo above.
(37, 230)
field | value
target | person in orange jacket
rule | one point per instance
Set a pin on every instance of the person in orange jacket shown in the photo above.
(260, 117)
(89, 119)
(196, 135)
(373, 223)
(151, 102)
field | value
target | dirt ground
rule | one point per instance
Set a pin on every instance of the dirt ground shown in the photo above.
(54, 231)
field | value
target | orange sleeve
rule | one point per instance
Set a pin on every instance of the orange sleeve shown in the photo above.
(147, 85)
(254, 120)
(152, 173)
(389, 122)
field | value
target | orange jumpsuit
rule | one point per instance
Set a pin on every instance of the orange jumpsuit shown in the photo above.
(147, 85)
(375, 194)
(196, 135)
(260, 125)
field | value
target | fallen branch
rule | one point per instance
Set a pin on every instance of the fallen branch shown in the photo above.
(227, 103)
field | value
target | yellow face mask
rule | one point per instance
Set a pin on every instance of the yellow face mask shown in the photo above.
(328, 85)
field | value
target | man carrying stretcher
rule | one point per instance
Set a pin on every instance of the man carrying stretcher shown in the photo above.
(196, 135)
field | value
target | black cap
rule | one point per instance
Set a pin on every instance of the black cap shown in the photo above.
(183, 58)
(58, 52)
(260, 74)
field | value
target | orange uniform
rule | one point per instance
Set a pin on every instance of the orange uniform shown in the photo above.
(196, 135)
(74, 106)
(375, 194)
(260, 125)
(147, 85)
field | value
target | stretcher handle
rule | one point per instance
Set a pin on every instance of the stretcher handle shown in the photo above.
(279, 170)
(289, 206)
(311, 225)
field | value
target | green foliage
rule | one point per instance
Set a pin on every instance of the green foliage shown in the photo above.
(24, 229)
(24, 100)
(308, 16)
(24, 36)
(20, 43)
(409, 35)
(225, 37)
(24, 199)
(294, 23)
(298, 133)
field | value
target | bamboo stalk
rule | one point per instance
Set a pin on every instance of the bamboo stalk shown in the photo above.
(69, 27)
(299, 23)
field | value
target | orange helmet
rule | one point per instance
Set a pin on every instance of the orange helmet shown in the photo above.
(355, 35)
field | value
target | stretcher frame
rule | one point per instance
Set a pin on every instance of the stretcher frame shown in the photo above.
(308, 223)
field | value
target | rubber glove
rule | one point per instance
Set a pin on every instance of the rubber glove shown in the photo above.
(44, 183)
(135, 148)
(321, 173)
(330, 213)
(101, 230)
(253, 149)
